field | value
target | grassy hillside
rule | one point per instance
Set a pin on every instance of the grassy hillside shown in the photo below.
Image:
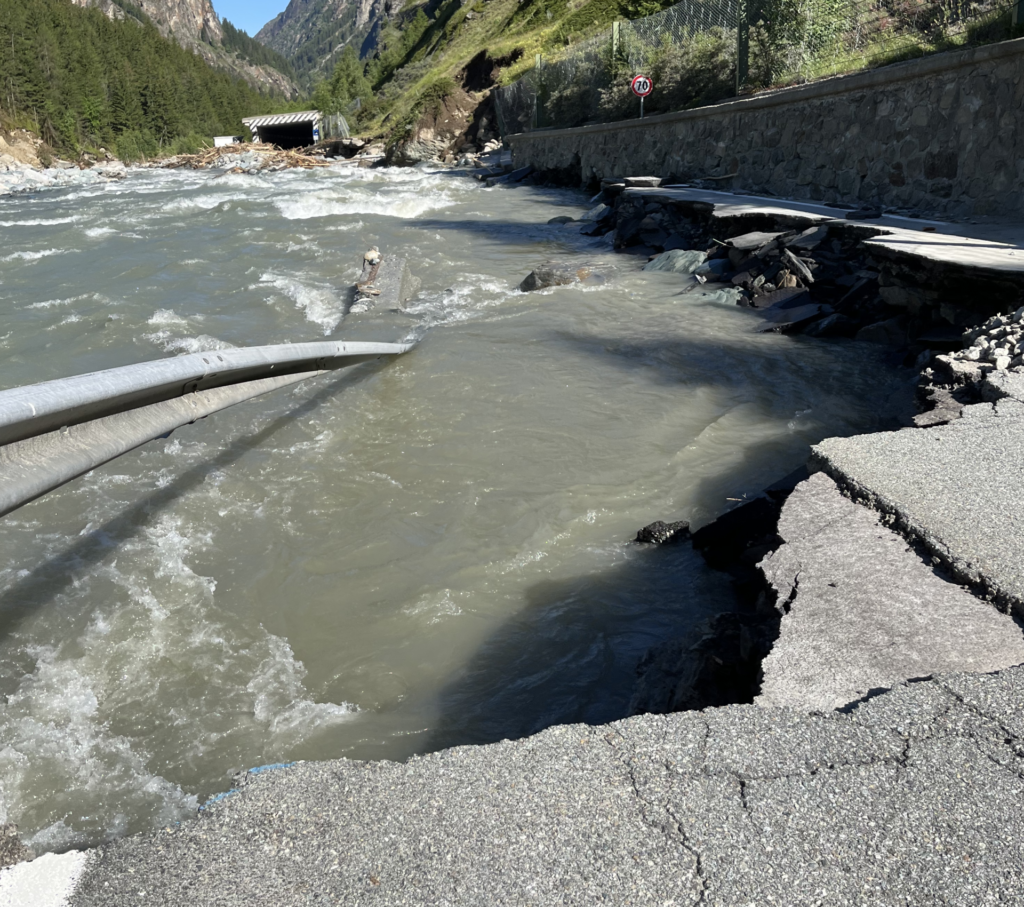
(423, 53)
(433, 50)
(81, 80)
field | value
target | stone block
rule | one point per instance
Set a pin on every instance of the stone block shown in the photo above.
(943, 142)
(921, 115)
(941, 165)
(848, 183)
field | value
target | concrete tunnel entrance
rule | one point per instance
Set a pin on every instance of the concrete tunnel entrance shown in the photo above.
(286, 130)
(297, 136)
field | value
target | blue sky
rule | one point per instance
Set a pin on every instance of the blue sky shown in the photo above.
(249, 15)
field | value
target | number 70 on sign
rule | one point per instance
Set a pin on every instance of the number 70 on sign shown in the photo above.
(642, 86)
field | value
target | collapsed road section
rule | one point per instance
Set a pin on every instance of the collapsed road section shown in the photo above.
(883, 762)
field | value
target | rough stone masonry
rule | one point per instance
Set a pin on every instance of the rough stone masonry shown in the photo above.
(940, 135)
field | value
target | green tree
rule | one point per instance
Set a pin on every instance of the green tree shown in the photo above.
(348, 82)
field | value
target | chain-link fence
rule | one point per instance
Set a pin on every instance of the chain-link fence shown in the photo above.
(334, 126)
(798, 40)
(702, 51)
(639, 42)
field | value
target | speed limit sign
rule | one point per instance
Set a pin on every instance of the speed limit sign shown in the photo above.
(642, 86)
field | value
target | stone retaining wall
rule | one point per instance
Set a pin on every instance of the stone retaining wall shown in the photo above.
(940, 135)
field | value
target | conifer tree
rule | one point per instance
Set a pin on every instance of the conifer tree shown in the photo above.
(88, 80)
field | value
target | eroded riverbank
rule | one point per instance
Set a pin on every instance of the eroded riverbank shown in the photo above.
(403, 559)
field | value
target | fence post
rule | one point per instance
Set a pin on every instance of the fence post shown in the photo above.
(615, 41)
(1017, 14)
(540, 95)
(742, 44)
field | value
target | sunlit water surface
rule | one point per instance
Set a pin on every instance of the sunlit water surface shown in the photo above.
(385, 561)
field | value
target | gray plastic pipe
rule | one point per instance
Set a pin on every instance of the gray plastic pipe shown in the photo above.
(58, 430)
(40, 408)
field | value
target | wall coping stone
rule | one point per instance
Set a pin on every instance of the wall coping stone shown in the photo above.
(883, 76)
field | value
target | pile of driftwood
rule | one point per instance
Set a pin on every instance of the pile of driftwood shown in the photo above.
(244, 158)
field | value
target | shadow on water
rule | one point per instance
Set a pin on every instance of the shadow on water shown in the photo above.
(508, 231)
(570, 654)
(739, 362)
(46, 581)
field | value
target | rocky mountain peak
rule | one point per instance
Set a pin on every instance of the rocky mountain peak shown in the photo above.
(190, 21)
(193, 20)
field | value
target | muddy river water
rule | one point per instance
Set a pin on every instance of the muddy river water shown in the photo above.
(388, 560)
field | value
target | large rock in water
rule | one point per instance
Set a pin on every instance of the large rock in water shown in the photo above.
(678, 261)
(553, 275)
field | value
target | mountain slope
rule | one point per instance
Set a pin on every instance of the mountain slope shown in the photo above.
(312, 33)
(196, 26)
(430, 65)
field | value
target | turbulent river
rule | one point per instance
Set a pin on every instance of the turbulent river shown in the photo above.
(389, 560)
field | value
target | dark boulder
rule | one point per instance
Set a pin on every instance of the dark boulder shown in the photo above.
(555, 275)
(661, 533)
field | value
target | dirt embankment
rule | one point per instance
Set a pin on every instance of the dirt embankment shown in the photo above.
(462, 122)
(20, 149)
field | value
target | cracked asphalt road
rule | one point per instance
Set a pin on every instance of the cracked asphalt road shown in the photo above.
(863, 611)
(915, 797)
(953, 487)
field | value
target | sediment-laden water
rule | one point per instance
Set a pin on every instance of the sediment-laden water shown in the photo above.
(390, 560)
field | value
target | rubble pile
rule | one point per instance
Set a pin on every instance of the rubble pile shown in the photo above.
(990, 355)
(244, 159)
(813, 281)
(997, 345)
(816, 277)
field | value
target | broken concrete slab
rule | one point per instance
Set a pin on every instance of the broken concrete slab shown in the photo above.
(598, 213)
(385, 283)
(781, 317)
(809, 240)
(864, 612)
(955, 488)
(998, 250)
(642, 182)
(750, 241)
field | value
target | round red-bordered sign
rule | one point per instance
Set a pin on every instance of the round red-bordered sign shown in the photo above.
(642, 86)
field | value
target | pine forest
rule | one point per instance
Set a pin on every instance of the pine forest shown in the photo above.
(83, 81)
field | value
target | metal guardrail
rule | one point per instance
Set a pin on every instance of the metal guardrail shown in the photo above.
(58, 430)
